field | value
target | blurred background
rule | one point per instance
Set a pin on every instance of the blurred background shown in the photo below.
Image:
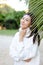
(11, 11)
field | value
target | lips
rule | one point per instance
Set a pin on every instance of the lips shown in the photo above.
(22, 23)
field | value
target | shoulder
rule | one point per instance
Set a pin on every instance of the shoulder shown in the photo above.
(14, 39)
(29, 38)
(16, 35)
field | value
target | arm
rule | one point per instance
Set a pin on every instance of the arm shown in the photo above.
(28, 60)
(30, 52)
(13, 48)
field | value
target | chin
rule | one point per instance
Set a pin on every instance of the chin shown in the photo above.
(23, 27)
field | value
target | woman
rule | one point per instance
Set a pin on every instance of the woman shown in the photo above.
(24, 47)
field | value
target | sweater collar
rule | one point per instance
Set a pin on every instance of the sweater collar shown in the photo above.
(27, 33)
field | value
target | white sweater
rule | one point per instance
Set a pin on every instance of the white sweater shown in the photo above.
(21, 51)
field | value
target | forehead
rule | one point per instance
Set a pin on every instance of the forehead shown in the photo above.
(27, 16)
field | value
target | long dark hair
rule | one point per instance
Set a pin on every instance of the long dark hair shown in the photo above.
(34, 29)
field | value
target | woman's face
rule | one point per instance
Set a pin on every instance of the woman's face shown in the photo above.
(25, 22)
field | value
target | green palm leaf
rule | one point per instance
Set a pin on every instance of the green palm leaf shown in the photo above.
(36, 7)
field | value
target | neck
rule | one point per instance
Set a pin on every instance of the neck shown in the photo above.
(28, 31)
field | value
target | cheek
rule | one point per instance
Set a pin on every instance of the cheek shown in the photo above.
(28, 24)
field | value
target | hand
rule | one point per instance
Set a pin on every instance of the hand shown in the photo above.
(22, 34)
(28, 60)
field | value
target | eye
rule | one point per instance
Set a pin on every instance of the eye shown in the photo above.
(26, 19)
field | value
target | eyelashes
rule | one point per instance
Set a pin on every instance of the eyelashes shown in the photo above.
(25, 19)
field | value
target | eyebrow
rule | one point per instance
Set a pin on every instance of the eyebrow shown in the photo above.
(24, 17)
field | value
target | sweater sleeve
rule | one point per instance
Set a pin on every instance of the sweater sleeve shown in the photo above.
(18, 50)
(15, 48)
(30, 52)
(13, 51)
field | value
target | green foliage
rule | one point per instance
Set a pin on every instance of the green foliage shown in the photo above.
(9, 15)
(15, 18)
(36, 8)
(8, 32)
(18, 15)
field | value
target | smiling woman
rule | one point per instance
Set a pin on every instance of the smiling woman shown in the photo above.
(24, 46)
